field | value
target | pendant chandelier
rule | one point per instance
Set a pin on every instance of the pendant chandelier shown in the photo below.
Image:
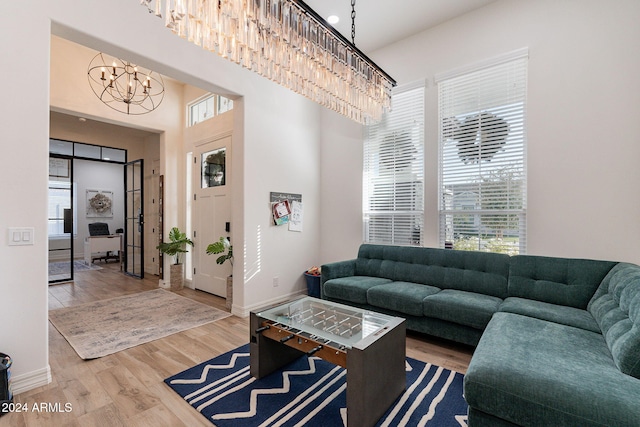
(124, 86)
(287, 42)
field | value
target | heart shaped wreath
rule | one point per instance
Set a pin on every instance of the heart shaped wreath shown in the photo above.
(479, 137)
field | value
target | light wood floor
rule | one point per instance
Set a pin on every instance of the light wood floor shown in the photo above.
(126, 388)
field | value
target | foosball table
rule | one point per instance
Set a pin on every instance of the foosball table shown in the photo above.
(371, 346)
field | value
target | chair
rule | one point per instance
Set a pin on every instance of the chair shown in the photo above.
(99, 229)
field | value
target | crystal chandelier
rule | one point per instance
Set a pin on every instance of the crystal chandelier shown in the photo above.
(289, 43)
(124, 86)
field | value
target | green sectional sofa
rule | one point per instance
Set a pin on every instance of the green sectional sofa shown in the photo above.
(557, 340)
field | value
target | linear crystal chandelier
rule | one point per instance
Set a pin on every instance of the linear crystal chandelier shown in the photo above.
(287, 42)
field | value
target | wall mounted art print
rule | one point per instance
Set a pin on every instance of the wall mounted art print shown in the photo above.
(99, 204)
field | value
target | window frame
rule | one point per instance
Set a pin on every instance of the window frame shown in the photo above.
(485, 122)
(393, 171)
(220, 105)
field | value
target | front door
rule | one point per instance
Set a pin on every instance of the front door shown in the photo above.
(134, 218)
(212, 213)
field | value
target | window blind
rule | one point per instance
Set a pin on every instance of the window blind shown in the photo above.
(482, 156)
(393, 205)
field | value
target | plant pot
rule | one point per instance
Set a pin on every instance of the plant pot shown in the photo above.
(313, 285)
(229, 302)
(176, 277)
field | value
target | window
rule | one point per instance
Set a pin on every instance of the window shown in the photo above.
(214, 168)
(87, 151)
(207, 107)
(202, 110)
(60, 200)
(482, 170)
(393, 206)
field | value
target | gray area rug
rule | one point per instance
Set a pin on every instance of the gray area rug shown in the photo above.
(62, 267)
(61, 270)
(104, 327)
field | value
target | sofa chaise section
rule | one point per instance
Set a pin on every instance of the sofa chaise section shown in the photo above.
(529, 371)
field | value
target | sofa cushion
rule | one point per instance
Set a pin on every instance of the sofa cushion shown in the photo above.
(464, 308)
(537, 373)
(569, 316)
(353, 288)
(616, 308)
(480, 272)
(404, 297)
(562, 281)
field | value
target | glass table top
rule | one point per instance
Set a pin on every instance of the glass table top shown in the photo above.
(333, 322)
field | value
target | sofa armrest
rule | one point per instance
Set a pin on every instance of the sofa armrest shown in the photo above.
(338, 269)
(335, 270)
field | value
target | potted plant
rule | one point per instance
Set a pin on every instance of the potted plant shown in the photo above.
(175, 247)
(220, 247)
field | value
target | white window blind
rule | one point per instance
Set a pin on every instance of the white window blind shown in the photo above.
(482, 173)
(393, 204)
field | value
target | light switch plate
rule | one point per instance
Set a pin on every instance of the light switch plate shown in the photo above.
(20, 236)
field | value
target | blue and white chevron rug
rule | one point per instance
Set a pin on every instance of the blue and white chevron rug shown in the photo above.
(311, 392)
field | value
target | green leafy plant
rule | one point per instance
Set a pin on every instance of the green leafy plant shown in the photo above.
(176, 246)
(220, 247)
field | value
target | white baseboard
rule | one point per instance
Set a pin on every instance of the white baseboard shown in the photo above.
(31, 380)
(245, 311)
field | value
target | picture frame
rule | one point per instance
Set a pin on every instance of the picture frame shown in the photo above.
(99, 204)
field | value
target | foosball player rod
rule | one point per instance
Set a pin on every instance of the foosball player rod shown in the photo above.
(314, 350)
(287, 338)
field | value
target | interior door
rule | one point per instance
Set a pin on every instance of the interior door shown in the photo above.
(60, 219)
(212, 214)
(134, 218)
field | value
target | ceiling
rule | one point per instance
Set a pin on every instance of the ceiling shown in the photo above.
(382, 22)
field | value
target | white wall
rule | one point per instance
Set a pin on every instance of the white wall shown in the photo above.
(583, 127)
(276, 132)
(282, 154)
(341, 187)
(24, 113)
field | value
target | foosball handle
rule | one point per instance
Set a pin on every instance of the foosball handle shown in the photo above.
(314, 350)
(287, 338)
(264, 328)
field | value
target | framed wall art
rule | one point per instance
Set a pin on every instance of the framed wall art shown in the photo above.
(99, 204)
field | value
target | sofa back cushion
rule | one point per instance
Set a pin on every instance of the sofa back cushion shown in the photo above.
(562, 281)
(481, 272)
(616, 308)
